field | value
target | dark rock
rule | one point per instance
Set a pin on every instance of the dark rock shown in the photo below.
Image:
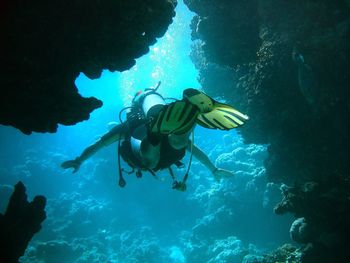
(20, 222)
(5, 194)
(326, 211)
(299, 230)
(306, 130)
(230, 38)
(45, 45)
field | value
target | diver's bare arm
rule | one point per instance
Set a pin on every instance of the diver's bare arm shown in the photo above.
(112, 136)
(204, 159)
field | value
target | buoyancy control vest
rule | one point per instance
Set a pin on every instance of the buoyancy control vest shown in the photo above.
(146, 106)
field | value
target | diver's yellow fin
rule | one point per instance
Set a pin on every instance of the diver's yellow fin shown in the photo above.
(203, 102)
(222, 116)
(178, 117)
(212, 114)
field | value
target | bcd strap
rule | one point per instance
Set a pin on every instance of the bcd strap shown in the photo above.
(181, 186)
(122, 181)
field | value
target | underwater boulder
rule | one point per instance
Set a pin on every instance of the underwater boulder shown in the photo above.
(299, 231)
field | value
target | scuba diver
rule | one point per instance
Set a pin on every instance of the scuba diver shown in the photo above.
(156, 135)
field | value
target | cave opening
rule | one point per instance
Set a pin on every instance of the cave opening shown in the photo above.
(223, 216)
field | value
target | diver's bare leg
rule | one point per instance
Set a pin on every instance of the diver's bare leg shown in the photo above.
(204, 159)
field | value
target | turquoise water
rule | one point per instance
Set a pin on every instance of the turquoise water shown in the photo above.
(91, 219)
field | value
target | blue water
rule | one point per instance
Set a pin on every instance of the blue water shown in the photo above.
(91, 219)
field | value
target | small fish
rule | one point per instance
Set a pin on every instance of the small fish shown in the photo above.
(306, 79)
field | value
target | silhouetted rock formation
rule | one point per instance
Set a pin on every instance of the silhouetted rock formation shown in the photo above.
(295, 91)
(20, 222)
(325, 208)
(230, 29)
(45, 45)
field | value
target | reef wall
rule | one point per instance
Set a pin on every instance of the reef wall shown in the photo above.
(45, 45)
(285, 64)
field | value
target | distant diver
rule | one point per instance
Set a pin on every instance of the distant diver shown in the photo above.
(155, 135)
(306, 79)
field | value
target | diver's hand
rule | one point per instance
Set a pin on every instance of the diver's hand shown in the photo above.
(75, 164)
(221, 173)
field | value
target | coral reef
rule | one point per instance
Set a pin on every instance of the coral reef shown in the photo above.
(295, 91)
(229, 249)
(139, 245)
(229, 224)
(212, 222)
(45, 46)
(20, 222)
(285, 253)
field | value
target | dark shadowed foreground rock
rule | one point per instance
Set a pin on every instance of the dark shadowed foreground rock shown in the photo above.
(20, 222)
(45, 45)
(296, 93)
